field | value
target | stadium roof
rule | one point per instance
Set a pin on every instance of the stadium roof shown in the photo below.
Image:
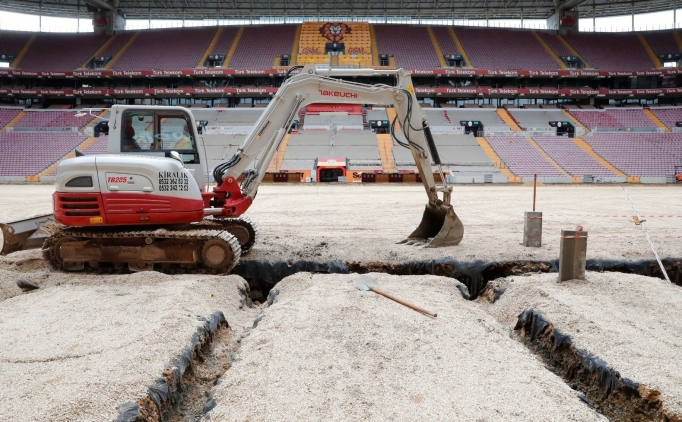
(255, 9)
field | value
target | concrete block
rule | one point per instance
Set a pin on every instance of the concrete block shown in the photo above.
(572, 255)
(532, 229)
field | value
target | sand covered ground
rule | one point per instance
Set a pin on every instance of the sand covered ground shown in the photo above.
(82, 344)
(629, 321)
(363, 222)
(327, 351)
(78, 347)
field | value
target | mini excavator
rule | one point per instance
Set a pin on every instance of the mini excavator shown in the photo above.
(145, 205)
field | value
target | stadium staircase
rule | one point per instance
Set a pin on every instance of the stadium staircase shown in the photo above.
(436, 46)
(375, 47)
(547, 156)
(385, 143)
(301, 117)
(95, 120)
(656, 120)
(365, 122)
(390, 112)
(122, 51)
(575, 121)
(100, 50)
(508, 119)
(445, 114)
(549, 51)
(497, 161)
(588, 149)
(233, 47)
(14, 121)
(460, 47)
(276, 163)
(571, 50)
(648, 49)
(210, 47)
(24, 50)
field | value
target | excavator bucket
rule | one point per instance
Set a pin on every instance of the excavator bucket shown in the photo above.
(440, 226)
(24, 234)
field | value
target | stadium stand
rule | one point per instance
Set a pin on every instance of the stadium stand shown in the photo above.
(53, 119)
(536, 119)
(7, 115)
(571, 157)
(167, 50)
(55, 52)
(506, 49)
(410, 45)
(329, 121)
(225, 40)
(669, 116)
(614, 118)
(521, 157)
(640, 154)
(269, 41)
(377, 114)
(357, 42)
(445, 40)
(11, 42)
(312, 145)
(453, 150)
(438, 117)
(607, 51)
(553, 41)
(662, 42)
(100, 146)
(232, 116)
(488, 117)
(27, 153)
(117, 44)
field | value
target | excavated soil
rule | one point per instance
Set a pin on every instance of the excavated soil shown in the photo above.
(615, 337)
(326, 351)
(76, 349)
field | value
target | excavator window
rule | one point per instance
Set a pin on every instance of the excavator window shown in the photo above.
(158, 131)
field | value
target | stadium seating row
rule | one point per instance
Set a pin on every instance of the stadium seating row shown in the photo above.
(28, 151)
(411, 46)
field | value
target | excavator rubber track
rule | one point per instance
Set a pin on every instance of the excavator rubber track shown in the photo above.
(243, 228)
(200, 250)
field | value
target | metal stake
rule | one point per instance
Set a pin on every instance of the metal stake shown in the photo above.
(535, 188)
(640, 222)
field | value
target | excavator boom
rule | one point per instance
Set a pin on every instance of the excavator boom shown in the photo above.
(440, 226)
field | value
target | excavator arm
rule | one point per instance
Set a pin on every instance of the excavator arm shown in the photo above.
(440, 226)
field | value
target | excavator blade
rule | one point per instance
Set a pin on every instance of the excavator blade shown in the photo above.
(24, 234)
(440, 226)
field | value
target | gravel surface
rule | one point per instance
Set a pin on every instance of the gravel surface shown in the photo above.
(631, 322)
(327, 351)
(363, 222)
(81, 345)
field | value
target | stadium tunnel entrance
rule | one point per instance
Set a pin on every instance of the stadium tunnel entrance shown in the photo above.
(330, 169)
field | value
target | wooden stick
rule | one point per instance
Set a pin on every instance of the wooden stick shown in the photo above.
(535, 187)
(402, 302)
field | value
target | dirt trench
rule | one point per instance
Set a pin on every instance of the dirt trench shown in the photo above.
(603, 388)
